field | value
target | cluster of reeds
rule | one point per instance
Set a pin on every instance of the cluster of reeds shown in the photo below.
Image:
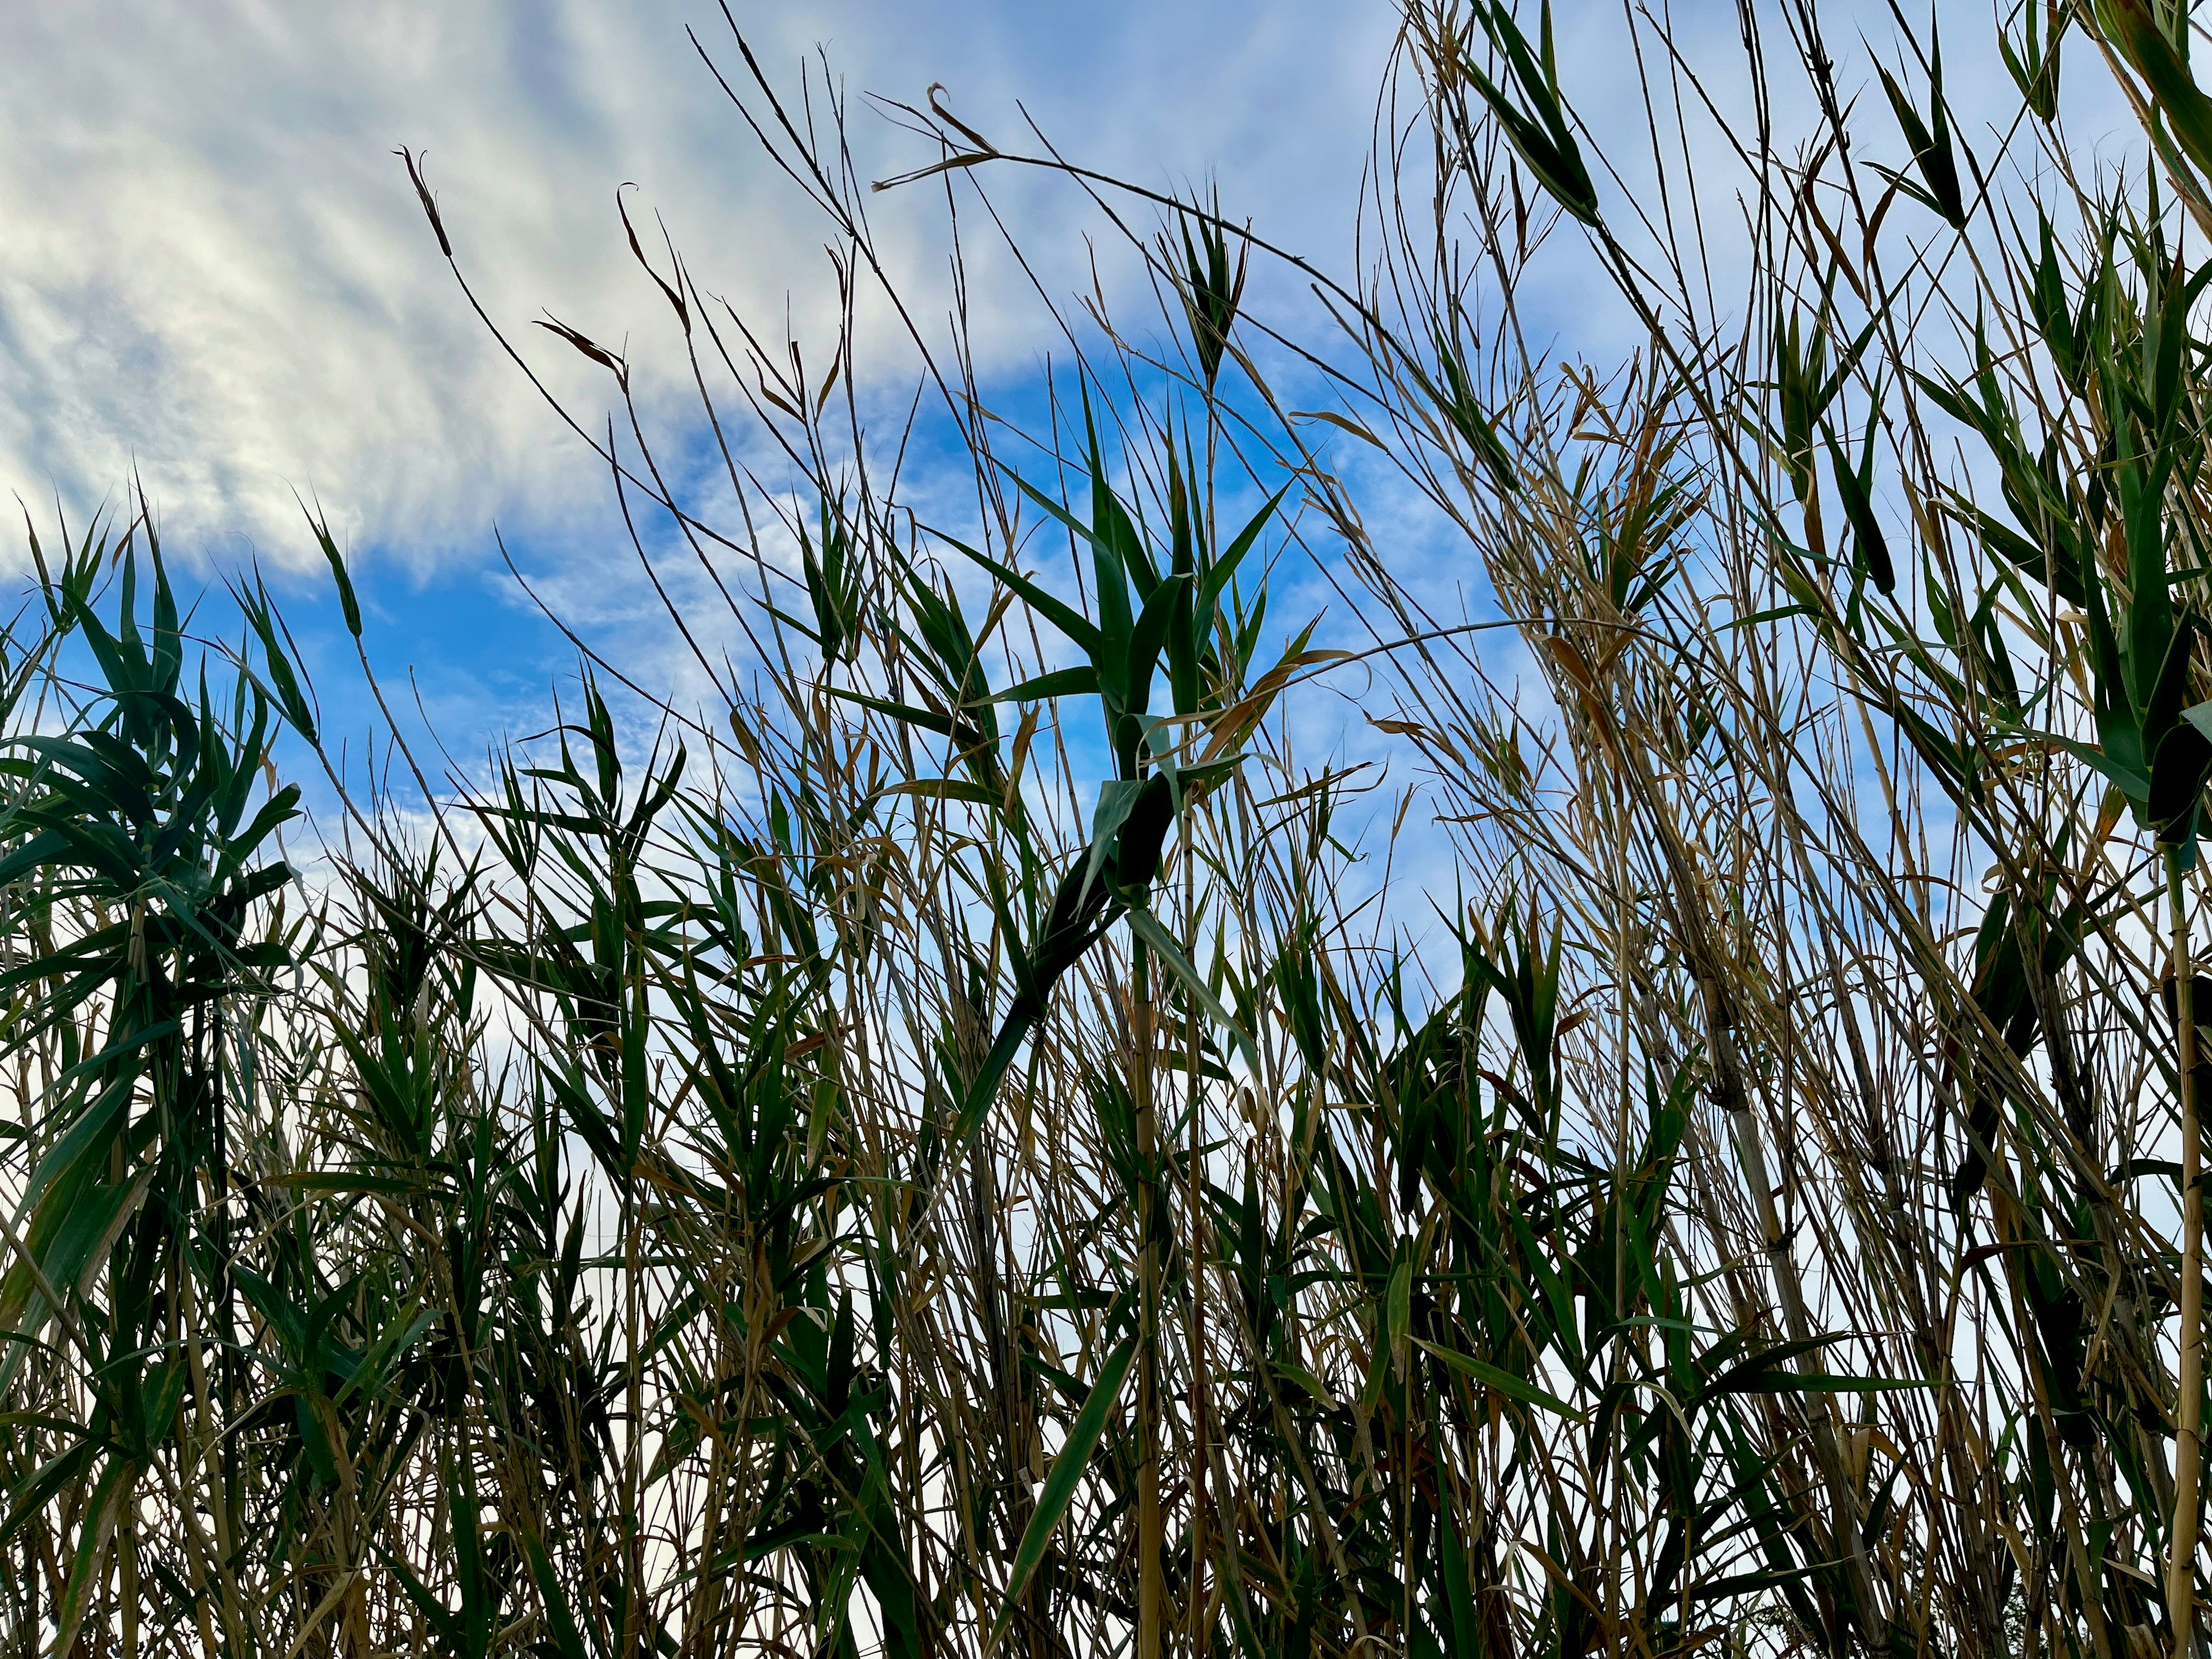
(953, 1150)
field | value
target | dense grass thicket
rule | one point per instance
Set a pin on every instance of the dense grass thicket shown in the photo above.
(951, 1147)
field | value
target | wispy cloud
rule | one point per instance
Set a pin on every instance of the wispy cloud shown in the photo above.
(214, 270)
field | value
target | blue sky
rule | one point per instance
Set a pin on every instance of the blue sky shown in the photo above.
(216, 273)
(215, 268)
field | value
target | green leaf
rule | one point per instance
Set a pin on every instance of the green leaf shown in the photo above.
(567, 1641)
(291, 701)
(1540, 133)
(2133, 27)
(985, 1088)
(1505, 1382)
(44, 1487)
(1064, 617)
(1218, 573)
(1062, 683)
(1058, 1489)
(2033, 65)
(1150, 634)
(1932, 150)
(344, 1180)
(346, 600)
(1855, 484)
(2133, 784)
(1116, 796)
(944, 789)
(440, 1618)
(1147, 928)
(99, 1521)
(1777, 614)
(2177, 775)
(943, 725)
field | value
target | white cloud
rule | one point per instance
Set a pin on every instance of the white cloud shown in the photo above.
(213, 266)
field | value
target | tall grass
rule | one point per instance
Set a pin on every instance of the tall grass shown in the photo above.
(945, 1152)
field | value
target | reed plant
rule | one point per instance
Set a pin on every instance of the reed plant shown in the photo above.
(947, 1146)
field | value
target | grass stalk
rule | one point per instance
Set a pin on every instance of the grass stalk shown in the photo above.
(2188, 1450)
